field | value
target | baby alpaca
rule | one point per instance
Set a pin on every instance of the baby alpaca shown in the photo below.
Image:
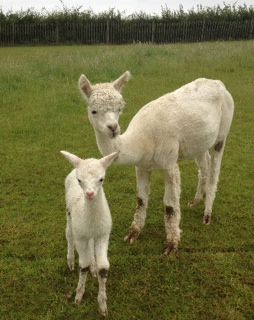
(88, 221)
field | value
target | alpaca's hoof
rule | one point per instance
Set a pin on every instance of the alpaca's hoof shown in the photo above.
(194, 202)
(79, 296)
(132, 235)
(207, 219)
(103, 312)
(70, 263)
(78, 300)
(171, 249)
(191, 203)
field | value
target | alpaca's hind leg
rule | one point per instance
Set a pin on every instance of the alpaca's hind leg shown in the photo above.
(143, 189)
(172, 214)
(70, 243)
(202, 162)
(212, 180)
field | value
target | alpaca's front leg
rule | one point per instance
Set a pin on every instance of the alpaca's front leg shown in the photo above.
(70, 243)
(84, 263)
(143, 189)
(101, 250)
(172, 214)
(92, 268)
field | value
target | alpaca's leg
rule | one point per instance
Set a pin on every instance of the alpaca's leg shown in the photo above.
(202, 162)
(93, 269)
(101, 250)
(70, 243)
(212, 180)
(172, 214)
(143, 189)
(84, 263)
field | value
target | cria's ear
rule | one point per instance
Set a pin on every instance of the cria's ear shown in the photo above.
(121, 81)
(85, 86)
(74, 160)
(106, 161)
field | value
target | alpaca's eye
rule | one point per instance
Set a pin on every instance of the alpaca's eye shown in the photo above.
(101, 179)
(79, 180)
(94, 112)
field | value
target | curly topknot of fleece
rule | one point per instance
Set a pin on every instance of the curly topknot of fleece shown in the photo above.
(105, 97)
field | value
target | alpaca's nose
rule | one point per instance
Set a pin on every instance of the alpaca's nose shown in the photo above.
(90, 195)
(112, 127)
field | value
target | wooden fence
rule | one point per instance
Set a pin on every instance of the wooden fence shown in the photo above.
(120, 32)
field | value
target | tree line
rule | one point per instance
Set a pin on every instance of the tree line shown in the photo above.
(79, 14)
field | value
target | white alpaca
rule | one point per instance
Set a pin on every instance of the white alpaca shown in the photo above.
(88, 221)
(184, 124)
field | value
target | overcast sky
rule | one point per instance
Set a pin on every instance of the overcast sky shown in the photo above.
(129, 6)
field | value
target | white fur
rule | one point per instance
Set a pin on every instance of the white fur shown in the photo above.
(184, 124)
(88, 221)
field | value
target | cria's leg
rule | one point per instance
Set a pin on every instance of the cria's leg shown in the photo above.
(202, 162)
(93, 269)
(101, 249)
(102, 295)
(84, 263)
(70, 243)
(143, 189)
(214, 172)
(172, 214)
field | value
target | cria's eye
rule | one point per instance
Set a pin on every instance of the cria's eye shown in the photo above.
(94, 112)
(79, 180)
(101, 179)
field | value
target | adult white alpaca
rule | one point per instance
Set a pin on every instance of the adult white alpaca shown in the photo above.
(184, 124)
(88, 221)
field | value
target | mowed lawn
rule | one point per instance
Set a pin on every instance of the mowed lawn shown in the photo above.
(42, 113)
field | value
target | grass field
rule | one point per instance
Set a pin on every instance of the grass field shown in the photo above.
(42, 112)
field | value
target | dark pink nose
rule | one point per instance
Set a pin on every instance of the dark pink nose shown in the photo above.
(90, 195)
(112, 127)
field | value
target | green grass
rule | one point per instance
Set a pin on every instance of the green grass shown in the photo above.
(42, 112)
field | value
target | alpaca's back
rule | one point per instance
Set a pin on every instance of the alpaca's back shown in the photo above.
(191, 118)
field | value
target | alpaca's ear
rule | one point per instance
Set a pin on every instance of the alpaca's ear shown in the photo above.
(85, 86)
(106, 161)
(121, 81)
(74, 160)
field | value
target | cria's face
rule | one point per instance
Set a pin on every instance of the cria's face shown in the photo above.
(90, 173)
(90, 176)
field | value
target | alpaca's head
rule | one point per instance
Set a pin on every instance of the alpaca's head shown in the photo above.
(105, 103)
(90, 173)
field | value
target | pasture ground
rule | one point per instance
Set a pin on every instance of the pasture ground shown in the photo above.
(42, 112)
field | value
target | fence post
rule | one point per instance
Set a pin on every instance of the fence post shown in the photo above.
(107, 32)
(251, 28)
(153, 29)
(57, 32)
(13, 34)
(203, 29)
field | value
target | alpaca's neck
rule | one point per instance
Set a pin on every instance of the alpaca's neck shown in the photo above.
(121, 143)
(106, 144)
